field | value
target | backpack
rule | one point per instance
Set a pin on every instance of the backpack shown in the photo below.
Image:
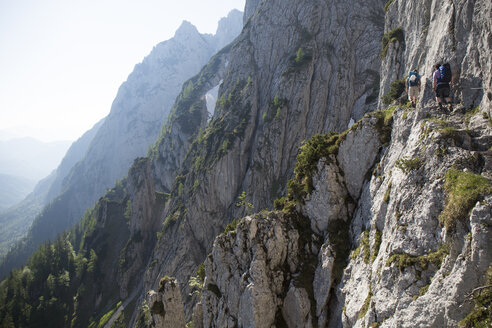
(413, 79)
(445, 74)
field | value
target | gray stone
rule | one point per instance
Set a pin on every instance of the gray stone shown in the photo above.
(296, 308)
(165, 306)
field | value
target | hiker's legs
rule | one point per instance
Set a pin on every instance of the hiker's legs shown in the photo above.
(442, 94)
(439, 100)
(414, 101)
(446, 94)
(413, 93)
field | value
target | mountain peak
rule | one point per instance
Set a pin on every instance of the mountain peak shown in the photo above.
(186, 28)
(228, 28)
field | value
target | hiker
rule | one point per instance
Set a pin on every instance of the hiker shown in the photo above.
(441, 79)
(412, 86)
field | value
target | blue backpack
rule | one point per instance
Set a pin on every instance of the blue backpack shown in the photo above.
(413, 79)
(445, 74)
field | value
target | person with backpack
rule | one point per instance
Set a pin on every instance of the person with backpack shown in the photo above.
(441, 80)
(412, 86)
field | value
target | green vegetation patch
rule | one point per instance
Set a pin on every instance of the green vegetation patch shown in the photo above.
(395, 35)
(196, 281)
(404, 260)
(231, 227)
(162, 197)
(301, 59)
(463, 190)
(365, 247)
(128, 210)
(300, 56)
(56, 286)
(384, 124)
(409, 165)
(441, 151)
(243, 203)
(170, 220)
(386, 197)
(481, 314)
(449, 132)
(311, 151)
(377, 244)
(143, 315)
(164, 280)
(105, 318)
(396, 89)
(274, 111)
(445, 130)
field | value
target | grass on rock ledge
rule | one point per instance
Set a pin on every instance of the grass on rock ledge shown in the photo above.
(463, 190)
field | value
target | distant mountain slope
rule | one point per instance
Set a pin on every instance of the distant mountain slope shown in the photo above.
(30, 158)
(13, 189)
(16, 220)
(134, 123)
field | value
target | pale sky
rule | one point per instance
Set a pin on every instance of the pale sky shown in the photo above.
(62, 61)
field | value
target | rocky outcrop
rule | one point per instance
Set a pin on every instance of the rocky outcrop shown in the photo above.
(275, 271)
(261, 261)
(414, 252)
(249, 9)
(228, 29)
(166, 306)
